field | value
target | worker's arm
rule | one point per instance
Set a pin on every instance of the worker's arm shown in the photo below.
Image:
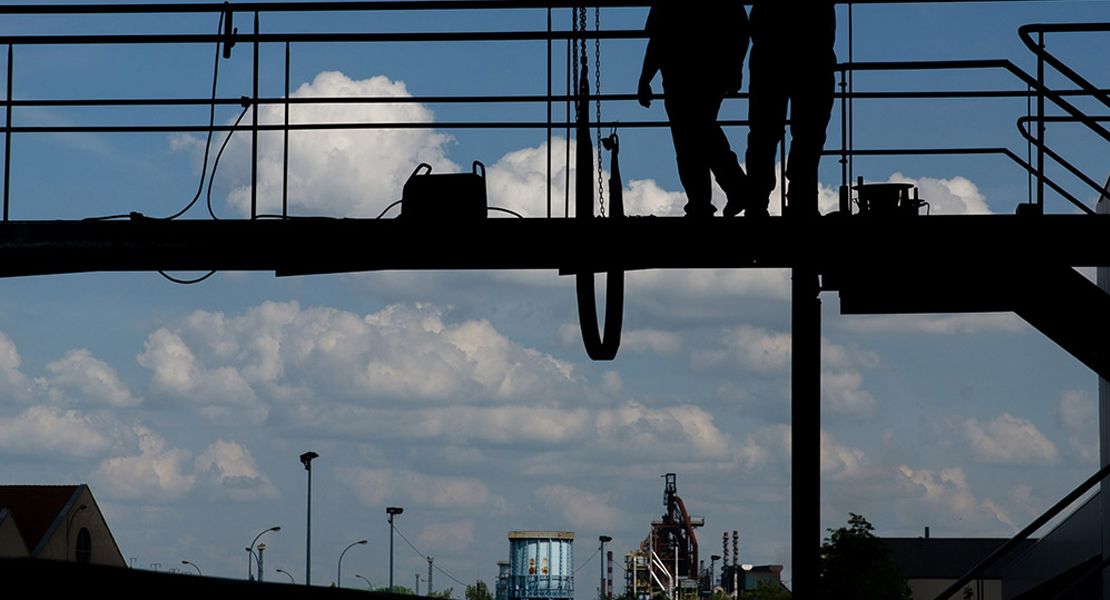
(651, 62)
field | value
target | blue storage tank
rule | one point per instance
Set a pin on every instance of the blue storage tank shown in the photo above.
(541, 565)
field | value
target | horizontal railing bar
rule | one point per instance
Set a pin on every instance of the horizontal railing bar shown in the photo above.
(502, 99)
(250, 38)
(393, 5)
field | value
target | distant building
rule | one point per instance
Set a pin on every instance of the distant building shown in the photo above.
(737, 579)
(541, 565)
(55, 522)
(1063, 564)
(501, 590)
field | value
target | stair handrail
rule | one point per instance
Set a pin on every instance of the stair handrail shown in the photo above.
(1024, 534)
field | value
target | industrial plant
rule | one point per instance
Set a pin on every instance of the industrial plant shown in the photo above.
(665, 565)
(667, 562)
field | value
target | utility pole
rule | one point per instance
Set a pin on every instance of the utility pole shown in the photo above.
(430, 559)
(306, 460)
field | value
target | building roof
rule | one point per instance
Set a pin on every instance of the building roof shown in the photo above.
(948, 558)
(541, 535)
(37, 509)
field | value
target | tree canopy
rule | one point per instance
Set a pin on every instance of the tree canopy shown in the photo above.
(856, 564)
(478, 591)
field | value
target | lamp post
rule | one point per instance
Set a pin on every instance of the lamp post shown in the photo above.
(339, 571)
(369, 585)
(392, 511)
(603, 539)
(287, 574)
(185, 562)
(306, 460)
(69, 524)
(250, 550)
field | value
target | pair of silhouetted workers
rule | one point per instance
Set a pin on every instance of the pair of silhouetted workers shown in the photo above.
(700, 46)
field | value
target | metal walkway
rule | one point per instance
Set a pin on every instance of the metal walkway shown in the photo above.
(1021, 255)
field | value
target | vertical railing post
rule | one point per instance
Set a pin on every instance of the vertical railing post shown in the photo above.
(254, 127)
(547, 169)
(843, 126)
(1040, 123)
(8, 134)
(851, 95)
(285, 149)
(569, 86)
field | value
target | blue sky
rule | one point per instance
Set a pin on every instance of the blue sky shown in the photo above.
(466, 397)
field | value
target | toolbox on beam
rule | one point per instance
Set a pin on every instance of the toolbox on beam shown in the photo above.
(445, 196)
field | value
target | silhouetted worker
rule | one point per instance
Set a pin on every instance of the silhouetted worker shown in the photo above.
(793, 62)
(699, 47)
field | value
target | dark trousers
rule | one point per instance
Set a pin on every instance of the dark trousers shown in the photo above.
(807, 85)
(701, 147)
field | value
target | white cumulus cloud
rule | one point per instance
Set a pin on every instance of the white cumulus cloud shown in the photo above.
(1078, 413)
(155, 472)
(53, 431)
(342, 172)
(375, 487)
(579, 509)
(232, 471)
(83, 377)
(1009, 440)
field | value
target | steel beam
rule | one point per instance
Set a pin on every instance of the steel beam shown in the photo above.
(888, 247)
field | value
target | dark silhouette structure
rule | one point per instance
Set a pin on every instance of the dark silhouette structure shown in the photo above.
(792, 62)
(700, 49)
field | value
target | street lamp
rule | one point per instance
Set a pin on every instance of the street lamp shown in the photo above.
(603, 539)
(392, 511)
(306, 460)
(70, 524)
(339, 576)
(369, 585)
(250, 550)
(287, 574)
(185, 562)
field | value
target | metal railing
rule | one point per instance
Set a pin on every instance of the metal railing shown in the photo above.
(229, 37)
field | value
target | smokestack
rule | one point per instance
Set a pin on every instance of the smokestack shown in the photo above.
(610, 563)
(926, 532)
(724, 547)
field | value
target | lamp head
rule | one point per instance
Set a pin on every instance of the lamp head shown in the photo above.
(306, 459)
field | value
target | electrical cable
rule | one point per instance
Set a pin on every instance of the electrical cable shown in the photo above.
(587, 561)
(216, 163)
(488, 208)
(204, 165)
(425, 556)
(389, 207)
(506, 210)
(211, 125)
(207, 145)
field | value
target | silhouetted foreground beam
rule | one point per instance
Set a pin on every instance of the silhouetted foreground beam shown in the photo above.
(305, 246)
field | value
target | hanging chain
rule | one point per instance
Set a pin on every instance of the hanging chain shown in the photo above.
(597, 90)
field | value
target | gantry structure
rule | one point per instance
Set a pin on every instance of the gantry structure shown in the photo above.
(1041, 286)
